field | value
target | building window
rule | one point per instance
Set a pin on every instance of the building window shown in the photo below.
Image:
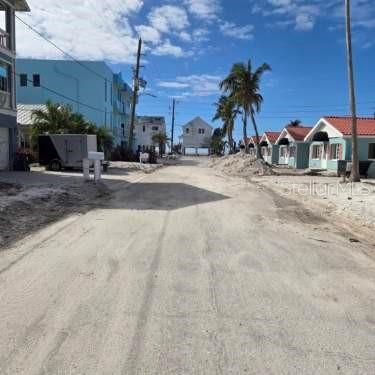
(283, 151)
(200, 131)
(371, 151)
(155, 128)
(36, 80)
(23, 80)
(4, 74)
(123, 130)
(187, 130)
(144, 129)
(316, 152)
(292, 151)
(336, 151)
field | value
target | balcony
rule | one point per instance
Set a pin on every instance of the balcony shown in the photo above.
(4, 39)
(5, 100)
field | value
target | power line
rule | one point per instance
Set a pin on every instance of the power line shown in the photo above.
(59, 48)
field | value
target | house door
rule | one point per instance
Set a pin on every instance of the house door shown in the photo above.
(4, 148)
(283, 155)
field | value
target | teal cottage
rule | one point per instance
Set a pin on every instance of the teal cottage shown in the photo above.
(269, 148)
(330, 141)
(293, 149)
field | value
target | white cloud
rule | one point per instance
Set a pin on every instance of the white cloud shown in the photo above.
(194, 85)
(235, 31)
(168, 18)
(167, 48)
(148, 34)
(86, 32)
(173, 85)
(204, 9)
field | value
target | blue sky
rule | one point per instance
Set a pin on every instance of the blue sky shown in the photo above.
(191, 44)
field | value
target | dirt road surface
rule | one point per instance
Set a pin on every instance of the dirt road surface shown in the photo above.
(188, 272)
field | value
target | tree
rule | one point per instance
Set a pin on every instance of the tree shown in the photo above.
(60, 119)
(161, 139)
(227, 112)
(217, 143)
(355, 177)
(295, 123)
(243, 86)
(55, 119)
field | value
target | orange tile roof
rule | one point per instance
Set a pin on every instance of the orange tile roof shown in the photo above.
(298, 132)
(272, 136)
(365, 125)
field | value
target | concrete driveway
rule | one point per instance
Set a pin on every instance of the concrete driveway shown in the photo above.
(188, 272)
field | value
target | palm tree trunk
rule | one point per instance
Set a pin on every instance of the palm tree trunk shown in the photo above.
(245, 132)
(355, 177)
(230, 138)
(259, 151)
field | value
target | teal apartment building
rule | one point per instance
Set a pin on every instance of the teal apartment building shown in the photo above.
(89, 87)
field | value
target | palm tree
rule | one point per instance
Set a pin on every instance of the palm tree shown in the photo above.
(295, 123)
(161, 139)
(243, 86)
(55, 118)
(227, 112)
(355, 177)
(59, 118)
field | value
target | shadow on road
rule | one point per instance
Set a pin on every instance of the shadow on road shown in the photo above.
(164, 196)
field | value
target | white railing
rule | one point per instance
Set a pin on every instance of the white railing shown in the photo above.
(4, 39)
(5, 99)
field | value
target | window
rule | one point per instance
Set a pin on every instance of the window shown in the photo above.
(371, 151)
(36, 80)
(155, 128)
(187, 130)
(123, 130)
(200, 131)
(292, 151)
(144, 129)
(23, 80)
(4, 77)
(283, 151)
(316, 152)
(336, 151)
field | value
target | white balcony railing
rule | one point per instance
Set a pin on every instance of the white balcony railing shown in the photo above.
(5, 99)
(4, 39)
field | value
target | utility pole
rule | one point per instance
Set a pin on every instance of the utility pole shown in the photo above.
(135, 93)
(355, 177)
(173, 121)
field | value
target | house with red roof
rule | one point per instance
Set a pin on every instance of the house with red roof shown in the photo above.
(252, 143)
(270, 150)
(330, 141)
(293, 149)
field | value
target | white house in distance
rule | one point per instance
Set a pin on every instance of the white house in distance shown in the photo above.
(145, 128)
(196, 137)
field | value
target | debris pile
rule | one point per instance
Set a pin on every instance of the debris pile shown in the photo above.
(242, 164)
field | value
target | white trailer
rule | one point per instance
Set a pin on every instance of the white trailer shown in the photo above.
(58, 151)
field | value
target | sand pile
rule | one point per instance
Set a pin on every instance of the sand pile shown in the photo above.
(241, 164)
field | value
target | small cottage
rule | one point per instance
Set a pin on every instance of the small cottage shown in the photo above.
(293, 150)
(269, 148)
(331, 140)
(252, 142)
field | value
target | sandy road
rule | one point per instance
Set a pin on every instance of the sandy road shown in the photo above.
(187, 272)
